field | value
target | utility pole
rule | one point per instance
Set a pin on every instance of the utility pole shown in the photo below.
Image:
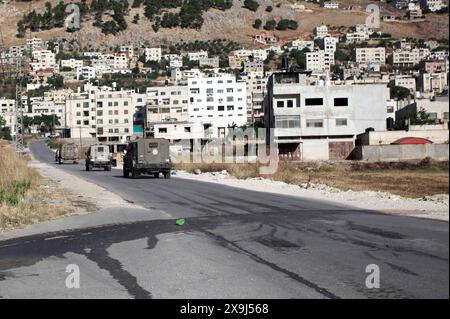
(18, 110)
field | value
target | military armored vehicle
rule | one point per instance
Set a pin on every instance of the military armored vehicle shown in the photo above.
(147, 156)
(67, 152)
(98, 156)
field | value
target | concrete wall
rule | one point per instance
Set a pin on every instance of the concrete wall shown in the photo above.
(388, 137)
(316, 149)
(392, 153)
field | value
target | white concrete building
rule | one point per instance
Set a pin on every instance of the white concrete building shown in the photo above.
(406, 81)
(101, 113)
(315, 61)
(167, 104)
(330, 5)
(329, 47)
(153, 54)
(175, 60)
(321, 31)
(196, 56)
(320, 122)
(370, 55)
(433, 82)
(71, 63)
(437, 109)
(433, 5)
(217, 102)
(43, 60)
(302, 44)
(411, 57)
(7, 109)
(212, 62)
(86, 73)
(254, 68)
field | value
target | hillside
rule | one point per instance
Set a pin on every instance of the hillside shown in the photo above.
(233, 24)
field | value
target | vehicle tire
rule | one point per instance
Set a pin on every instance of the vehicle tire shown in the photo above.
(126, 173)
(156, 175)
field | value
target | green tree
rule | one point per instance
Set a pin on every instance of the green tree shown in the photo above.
(251, 5)
(269, 8)
(257, 24)
(270, 25)
(400, 93)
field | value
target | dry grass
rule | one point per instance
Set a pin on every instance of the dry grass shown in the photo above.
(409, 179)
(25, 197)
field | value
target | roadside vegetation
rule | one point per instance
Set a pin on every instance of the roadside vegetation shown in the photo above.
(25, 197)
(412, 179)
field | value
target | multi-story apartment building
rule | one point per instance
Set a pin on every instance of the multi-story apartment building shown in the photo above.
(320, 122)
(432, 5)
(212, 62)
(167, 104)
(254, 68)
(437, 109)
(217, 102)
(356, 37)
(411, 57)
(57, 96)
(36, 44)
(196, 56)
(181, 76)
(315, 61)
(433, 82)
(128, 50)
(330, 5)
(236, 62)
(42, 60)
(86, 73)
(71, 63)
(302, 44)
(321, 32)
(101, 113)
(406, 81)
(256, 91)
(7, 109)
(329, 48)
(370, 55)
(432, 66)
(153, 54)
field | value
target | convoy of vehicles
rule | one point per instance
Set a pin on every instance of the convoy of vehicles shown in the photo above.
(98, 156)
(67, 152)
(149, 156)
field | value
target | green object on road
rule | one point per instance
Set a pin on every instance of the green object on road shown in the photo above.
(180, 222)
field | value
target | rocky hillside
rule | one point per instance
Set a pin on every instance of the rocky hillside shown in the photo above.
(232, 24)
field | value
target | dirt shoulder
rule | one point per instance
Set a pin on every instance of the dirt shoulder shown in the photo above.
(427, 195)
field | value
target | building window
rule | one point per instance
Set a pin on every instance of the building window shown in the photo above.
(287, 122)
(221, 108)
(187, 129)
(290, 103)
(280, 103)
(230, 107)
(314, 123)
(314, 102)
(341, 101)
(341, 122)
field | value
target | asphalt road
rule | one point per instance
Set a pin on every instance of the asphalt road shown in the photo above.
(235, 244)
